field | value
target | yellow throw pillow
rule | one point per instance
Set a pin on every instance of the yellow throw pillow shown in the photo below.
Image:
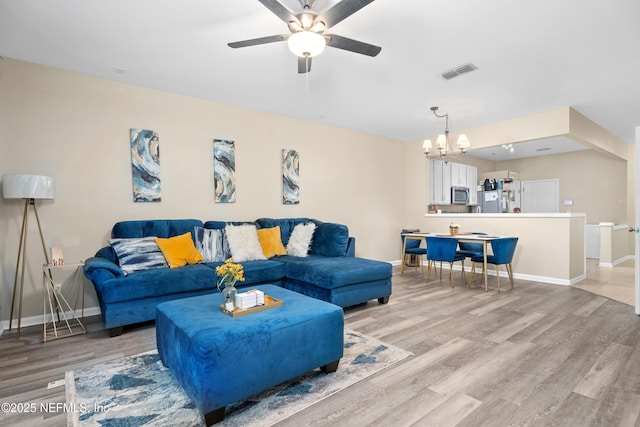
(179, 250)
(271, 242)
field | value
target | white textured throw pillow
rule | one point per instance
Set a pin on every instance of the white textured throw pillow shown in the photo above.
(300, 239)
(243, 242)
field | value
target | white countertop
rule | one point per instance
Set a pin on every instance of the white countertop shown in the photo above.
(507, 215)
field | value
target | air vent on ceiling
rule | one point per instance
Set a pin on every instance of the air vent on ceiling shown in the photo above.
(543, 149)
(457, 71)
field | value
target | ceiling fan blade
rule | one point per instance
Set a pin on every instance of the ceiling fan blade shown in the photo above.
(351, 45)
(260, 40)
(304, 64)
(342, 10)
(280, 10)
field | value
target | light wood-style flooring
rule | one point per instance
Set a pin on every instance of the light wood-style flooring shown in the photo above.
(617, 283)
(537, 355)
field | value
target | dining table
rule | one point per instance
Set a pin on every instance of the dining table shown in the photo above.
(475, 238)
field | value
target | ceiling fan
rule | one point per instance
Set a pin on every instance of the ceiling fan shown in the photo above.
(307, 27)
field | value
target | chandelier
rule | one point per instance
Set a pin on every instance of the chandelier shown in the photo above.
(442, 143)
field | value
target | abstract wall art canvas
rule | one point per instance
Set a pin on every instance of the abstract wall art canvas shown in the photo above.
(290, 177)
(145, 165)
(224, 170)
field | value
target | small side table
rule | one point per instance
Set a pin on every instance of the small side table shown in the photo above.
(55, 305)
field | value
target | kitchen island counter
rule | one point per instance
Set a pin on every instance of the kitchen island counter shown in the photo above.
(551, 246)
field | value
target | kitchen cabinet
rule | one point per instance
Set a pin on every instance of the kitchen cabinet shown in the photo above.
(458, 175)
(472, 183)
(443, 176)
(503, 174)
(440, 182)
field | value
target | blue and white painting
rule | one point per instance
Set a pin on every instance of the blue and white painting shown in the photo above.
(224, 171)
(290, 177)
(145, 165)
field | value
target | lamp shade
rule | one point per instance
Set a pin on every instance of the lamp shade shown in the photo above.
(306, 43)
(17, 186)
(463, 142)
(426, 145)
(441, 142)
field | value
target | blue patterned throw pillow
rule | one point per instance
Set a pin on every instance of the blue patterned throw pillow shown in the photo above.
(211, 244)
(138, 254)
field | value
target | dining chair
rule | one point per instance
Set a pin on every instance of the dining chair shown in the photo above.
(412, 247)
(470, 249)
(443, 249)
(503, 250)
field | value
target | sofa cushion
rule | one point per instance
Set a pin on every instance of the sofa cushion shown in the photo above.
(211, 244)
(331, 273)
(286, 225)
(243, 242)
(256, 272)
(154, 228)
(330, 239)
(156, 283)
(138, 254)
(179, 250)
(271, 242)
(300, 239)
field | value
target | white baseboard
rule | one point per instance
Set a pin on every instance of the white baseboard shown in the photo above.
(618, 261)
(533, 278)
(39, 319)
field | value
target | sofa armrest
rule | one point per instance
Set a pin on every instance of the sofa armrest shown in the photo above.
(351, 246)
(98, 269)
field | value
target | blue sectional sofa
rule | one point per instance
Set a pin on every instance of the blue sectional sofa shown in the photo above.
(331, 271)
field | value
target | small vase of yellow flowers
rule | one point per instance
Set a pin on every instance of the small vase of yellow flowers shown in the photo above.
(229, 273)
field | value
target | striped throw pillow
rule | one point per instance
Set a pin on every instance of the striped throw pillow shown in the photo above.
(138, 254)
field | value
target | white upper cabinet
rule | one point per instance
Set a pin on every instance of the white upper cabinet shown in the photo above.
(458, 175)
(443, 176)
(440, 182)
(472, 183)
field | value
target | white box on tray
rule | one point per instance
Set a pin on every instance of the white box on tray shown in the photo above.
(246, 300)
(259, 296)
(250, 299)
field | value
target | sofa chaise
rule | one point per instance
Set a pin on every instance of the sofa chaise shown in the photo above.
(330, 271)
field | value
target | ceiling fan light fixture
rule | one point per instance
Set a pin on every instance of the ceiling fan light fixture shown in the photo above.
(306, 43)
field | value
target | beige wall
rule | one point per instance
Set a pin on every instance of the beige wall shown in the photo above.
(597, 183)
(75, 128)
(550, 247)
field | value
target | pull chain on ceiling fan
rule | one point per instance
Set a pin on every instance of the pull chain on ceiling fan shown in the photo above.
(307, 27)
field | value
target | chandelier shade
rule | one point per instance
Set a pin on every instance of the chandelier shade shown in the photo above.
(442, 142)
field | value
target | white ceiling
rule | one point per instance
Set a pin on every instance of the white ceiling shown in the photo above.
(534, 148)
(533, 56)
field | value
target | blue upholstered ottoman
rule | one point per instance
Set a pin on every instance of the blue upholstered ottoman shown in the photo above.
(219, 359)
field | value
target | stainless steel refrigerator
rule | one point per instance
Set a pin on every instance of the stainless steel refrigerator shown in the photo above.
(490, 201)
(500, 201)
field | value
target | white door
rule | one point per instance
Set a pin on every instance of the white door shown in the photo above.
(541, 196)
(637, 219)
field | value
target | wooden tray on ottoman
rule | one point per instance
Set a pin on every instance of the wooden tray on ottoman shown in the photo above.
(269, 303)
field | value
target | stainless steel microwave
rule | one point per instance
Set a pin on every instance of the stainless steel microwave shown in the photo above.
(459, 196)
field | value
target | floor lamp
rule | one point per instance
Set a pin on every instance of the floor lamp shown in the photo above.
(30, 188)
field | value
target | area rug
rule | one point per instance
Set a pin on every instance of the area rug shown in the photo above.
(140, 391)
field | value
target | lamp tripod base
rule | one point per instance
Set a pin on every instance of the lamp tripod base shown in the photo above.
(21, 263)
